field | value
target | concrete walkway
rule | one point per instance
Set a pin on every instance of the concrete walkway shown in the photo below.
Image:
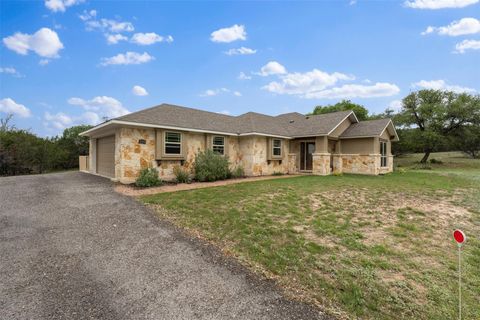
(72, 248)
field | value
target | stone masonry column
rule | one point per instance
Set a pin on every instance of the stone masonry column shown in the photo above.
(321, 164)
(292, 163)
(337, 163)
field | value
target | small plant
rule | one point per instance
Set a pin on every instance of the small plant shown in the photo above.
(337, 173)
(238, 172)
(435, 161)
(148, 178)
(277, 173)
(210, 166)
(181, 175)
(400, 169)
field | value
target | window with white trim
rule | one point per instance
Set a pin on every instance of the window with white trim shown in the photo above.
(173, 143)
(277, 147)
(383, 153)
(218, 145)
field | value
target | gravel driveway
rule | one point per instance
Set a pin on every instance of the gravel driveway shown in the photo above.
(72, 248)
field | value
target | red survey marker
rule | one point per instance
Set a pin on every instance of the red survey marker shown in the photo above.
(459, 236)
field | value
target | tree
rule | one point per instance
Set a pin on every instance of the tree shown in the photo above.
(73, 144)
(435, 116)
(5, 123)
(360, 111)
(468, 140)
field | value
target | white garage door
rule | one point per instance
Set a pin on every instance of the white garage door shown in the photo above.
(106, 156)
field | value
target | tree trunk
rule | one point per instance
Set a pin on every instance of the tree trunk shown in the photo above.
(425, 156)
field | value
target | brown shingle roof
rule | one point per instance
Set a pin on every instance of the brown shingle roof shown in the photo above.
(368, 128)
(290, 125)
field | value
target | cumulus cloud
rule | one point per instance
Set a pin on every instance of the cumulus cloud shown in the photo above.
(243, 76)
(456, 28)
(60, 5)
(115, 38)
(233, 33)
(215, 92)
(45, 42)
(127, 58)
(11, 71)
(441, 85)
(240, 51)
(465, 45)
(105, 25)
(395, 106)
(139, 91)
(304, 83)
(103, 106)
(88, 15)
(271, 68)
(8, 105)
(438, 4)
(149, 38)
(58, 121)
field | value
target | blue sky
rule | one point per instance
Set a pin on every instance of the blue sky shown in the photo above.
(60, 65)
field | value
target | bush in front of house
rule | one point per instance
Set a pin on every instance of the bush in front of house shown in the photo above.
(181, 175)
(238, 172)
(210, 166)
(148, 178)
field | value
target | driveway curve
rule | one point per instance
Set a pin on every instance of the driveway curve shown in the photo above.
(72, 248)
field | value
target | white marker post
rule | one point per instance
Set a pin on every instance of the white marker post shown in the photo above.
(460, 238)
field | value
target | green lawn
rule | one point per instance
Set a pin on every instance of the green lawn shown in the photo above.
(358, 246)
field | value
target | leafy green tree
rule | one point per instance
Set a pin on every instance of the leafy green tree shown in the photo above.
(436, 116)
(73, 144)
(360, 111)
(468, 140)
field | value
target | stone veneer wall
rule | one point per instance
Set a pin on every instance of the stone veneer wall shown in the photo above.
(253, 155)
(361, 163)
(321, 164)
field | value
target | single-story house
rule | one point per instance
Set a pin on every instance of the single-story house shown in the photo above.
(166, 136)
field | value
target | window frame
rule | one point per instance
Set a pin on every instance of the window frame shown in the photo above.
(222, 146)
(279, 148)
(383, 154)
(165, 143)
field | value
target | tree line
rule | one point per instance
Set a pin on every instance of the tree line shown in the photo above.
(23, 152)
(429, 121)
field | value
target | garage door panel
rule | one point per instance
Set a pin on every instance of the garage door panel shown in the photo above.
(106, 156)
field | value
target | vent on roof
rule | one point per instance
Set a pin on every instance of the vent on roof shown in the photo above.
(307, 117)
(291, 121)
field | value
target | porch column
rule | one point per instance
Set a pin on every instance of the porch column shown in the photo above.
(292, 163)
(337, 163)
(321, 163)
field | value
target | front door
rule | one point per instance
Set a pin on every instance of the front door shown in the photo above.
(306, 159)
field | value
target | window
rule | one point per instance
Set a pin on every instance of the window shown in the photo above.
(383, 153)
(218, 145)
(277, 147)
(173, 143)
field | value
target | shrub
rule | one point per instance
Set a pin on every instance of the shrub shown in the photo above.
(181, 175)
(277, 173)
(210, 166)
(435, 161)
(148, 178)
(238, 172)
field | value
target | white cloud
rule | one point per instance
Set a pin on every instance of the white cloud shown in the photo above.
(127, 58)
(43, 62)
(115, 38)
(225, 112)
(103, 106)
(395, 106)
(305, 83)
(233, 33)
(456, 28)
(438, 4)
(87, 15)
(139, 91)
(45, 42)
(8, 105)
(271, 68)
(59, 120)
(240, 51)
(216, 92)
(347, 91)
(12, 71)
(243, 76)
(441, 85)
(465, 45)
(149, 38)
(60, 5)
(109, 25)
